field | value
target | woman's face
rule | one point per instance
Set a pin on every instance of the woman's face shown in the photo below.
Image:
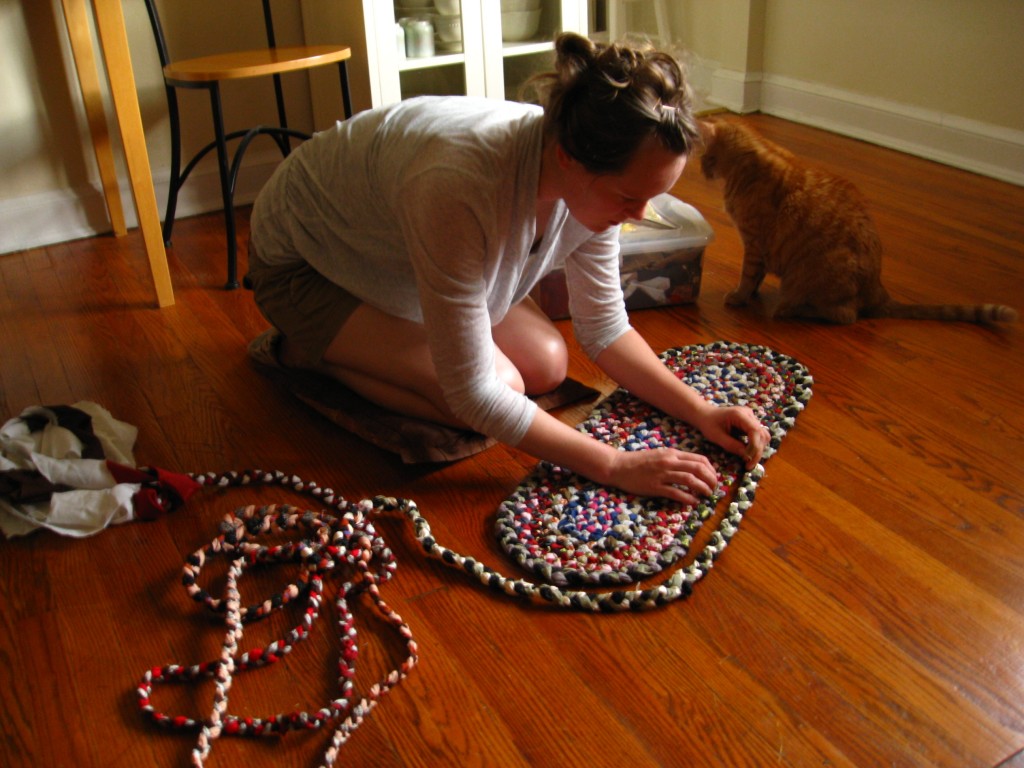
(600, 201)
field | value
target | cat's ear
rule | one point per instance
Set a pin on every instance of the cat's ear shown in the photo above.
(708, 158)
(707, 131)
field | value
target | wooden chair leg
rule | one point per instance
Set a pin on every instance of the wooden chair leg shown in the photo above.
(114, 39)
(88, 80)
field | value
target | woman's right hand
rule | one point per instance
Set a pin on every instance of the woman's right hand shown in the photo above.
(665, 472)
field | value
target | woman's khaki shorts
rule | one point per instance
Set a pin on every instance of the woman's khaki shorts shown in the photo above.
(302, 304)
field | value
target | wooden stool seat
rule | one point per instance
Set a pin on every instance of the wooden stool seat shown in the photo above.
(258, 63)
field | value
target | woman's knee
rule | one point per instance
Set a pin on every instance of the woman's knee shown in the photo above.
(543, 365)
(536, 370)
(551, 365)
(509, 373)
(534, 347)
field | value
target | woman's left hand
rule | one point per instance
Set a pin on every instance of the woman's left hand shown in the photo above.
(721, 424)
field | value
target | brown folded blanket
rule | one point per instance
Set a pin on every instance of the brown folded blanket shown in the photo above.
(415, 440)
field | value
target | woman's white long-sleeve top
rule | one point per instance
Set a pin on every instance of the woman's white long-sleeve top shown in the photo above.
(427, 210)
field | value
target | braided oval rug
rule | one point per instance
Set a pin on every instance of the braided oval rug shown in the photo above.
(572, 532)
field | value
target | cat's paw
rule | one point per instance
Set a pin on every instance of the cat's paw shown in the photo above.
(736, 298)
(840, 315)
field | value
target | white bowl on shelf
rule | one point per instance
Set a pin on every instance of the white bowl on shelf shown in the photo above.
(448, 7)
(448, 28)
(519, 5)
(519, 25)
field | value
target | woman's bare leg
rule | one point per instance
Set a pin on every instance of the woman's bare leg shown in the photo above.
(386, 359)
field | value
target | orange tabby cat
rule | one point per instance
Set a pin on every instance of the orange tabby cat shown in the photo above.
(812, 229)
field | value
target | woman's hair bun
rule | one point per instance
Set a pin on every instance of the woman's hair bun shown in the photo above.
(603, 100)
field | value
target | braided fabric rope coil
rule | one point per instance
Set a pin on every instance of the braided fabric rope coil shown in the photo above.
(328, 544)
(556, 525)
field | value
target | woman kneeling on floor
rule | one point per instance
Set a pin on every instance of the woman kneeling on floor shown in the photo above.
(395, 253)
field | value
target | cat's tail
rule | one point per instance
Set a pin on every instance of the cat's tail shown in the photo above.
(969, 313)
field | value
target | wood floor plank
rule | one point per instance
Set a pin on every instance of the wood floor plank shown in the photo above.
(689, 686)
(898, 580)
(544, 706)
(851, 684)
(43, 724)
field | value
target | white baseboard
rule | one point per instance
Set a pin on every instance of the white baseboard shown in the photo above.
(738, 92)
(58, 216)
(51, 217)
(971, 145)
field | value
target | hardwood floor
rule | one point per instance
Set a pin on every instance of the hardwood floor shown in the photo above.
(870, 612)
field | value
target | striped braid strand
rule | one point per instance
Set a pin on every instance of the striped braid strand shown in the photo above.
(226, 667)
(349, 539)
(677, 586)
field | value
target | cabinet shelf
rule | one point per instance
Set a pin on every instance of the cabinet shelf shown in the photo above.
(527, 47)
(438, 60)
(441, 59)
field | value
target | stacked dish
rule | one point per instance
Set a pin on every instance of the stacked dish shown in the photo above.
(520, 19)
(448, 24)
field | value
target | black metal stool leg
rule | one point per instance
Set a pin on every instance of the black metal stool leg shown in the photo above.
(227, 192)
(175, 185)
(282, 119)
(346, 96)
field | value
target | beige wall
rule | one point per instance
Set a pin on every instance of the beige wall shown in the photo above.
(942, 79)
(961, 57)
(40, 147)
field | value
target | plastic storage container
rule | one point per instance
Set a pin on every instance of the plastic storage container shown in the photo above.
(660, 260)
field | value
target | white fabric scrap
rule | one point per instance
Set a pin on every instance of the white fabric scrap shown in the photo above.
(96, 501)
(656, 288)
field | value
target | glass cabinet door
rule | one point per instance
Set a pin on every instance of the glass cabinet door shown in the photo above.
(479, 49)
(472, 47)
(437, 49)
(523, 31)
